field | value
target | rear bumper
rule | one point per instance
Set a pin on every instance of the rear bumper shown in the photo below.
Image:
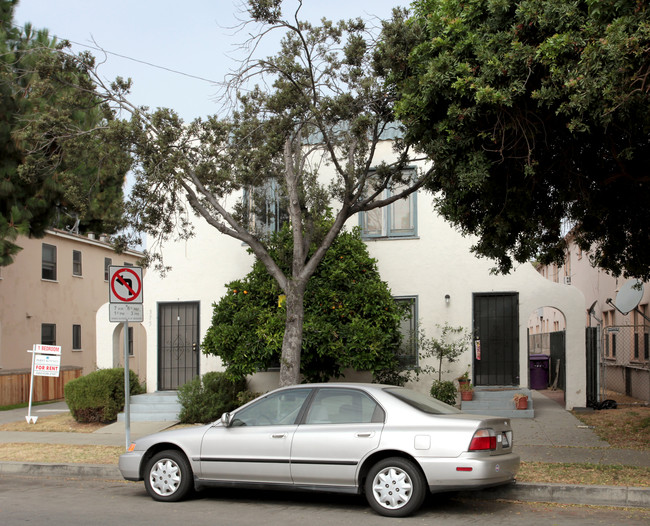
(469, 472)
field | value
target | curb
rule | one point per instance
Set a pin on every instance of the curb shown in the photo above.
(616, 496)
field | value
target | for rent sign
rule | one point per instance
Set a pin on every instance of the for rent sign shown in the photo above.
(47, 365)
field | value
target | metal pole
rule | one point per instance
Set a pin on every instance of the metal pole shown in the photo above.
(127, 387)
(31, 419)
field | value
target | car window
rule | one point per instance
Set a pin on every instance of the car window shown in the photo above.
(280, 408)
(422, 402)
(343, 406)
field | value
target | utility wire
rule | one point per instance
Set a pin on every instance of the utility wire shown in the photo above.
(96, 48)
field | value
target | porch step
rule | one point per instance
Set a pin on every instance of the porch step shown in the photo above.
(161, 406)
(498, 401)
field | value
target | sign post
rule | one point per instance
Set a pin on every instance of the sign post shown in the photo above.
(46, 361)
(125, 305)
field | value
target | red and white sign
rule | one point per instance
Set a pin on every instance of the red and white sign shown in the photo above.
(47, 365)
(47, 349)
(125, 284)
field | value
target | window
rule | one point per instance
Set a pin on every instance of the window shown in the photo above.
(49, 262)
(76, 337)
(408, 351)
(130, 341)
(76, 263)
(393, 221)
(48, 334)
(343, 406)
(107, 271)
(276, 409)
(265, 208)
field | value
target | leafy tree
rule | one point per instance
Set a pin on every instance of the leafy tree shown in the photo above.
(317, 103)
(535, 113)
(351, 320)
(60, 164)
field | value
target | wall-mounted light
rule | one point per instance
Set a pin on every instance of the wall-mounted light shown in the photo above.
(447, 298)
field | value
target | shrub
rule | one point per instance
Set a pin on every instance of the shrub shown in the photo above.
(99, 396)
(205, 399)
(445, 391)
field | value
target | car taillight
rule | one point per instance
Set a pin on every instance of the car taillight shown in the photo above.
(483, 440)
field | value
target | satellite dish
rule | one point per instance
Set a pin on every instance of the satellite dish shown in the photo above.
(629, 296)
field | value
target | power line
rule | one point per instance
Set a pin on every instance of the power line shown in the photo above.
(96, 48)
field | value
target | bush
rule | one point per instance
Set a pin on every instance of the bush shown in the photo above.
(205, 399)
(444, 391)
(99, 396)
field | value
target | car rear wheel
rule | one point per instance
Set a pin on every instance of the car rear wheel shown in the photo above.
(168, 476)
(395, 487)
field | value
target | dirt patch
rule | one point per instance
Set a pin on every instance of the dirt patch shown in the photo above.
(59, 453)
(60, 423)
(623, 428)
(589, 474)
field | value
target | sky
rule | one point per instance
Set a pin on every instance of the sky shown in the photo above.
(178, 51)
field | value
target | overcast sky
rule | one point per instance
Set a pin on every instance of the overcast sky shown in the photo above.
(194, 38)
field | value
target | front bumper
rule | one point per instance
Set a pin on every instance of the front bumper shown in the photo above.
(129, 465)
(469, 471)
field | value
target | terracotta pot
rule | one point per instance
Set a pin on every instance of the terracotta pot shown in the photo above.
(466, 395)
(521, 403)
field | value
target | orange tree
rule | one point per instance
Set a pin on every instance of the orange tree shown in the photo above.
(351, 320)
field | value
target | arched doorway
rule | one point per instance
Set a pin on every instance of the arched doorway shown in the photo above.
(547, 351)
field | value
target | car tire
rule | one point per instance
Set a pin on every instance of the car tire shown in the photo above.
(395, 487)
(168, 476)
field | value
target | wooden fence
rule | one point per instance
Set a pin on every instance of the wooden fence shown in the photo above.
(14, 385)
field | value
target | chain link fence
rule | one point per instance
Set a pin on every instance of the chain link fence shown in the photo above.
(624, 356)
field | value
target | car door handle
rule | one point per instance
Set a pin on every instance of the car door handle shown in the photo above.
(279, 435)
(365, 435)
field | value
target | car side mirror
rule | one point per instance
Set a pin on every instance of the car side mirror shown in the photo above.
(226, 419)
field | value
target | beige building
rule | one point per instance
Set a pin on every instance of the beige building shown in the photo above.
(52, 294)
(622, 334)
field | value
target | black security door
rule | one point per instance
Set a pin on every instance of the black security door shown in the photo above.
(496, 339)
(178, 344)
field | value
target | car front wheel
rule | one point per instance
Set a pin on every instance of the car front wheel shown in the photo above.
(168, 476)
(395, 487)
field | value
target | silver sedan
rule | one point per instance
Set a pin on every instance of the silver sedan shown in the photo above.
(390, 443)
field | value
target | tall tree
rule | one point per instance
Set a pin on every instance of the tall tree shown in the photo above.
(316, 103)
(61, 164)
(536, 114)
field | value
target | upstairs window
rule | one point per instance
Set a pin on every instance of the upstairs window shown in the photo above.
(48, 267)
(266, 208)
(396, 220)
(107, 271)
(76, 263)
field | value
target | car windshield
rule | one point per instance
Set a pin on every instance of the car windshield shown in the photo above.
(422, 402)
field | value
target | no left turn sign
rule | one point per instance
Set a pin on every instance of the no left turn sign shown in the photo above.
(125, 284)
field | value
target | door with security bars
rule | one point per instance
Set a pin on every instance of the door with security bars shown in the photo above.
(178, 344)
(496, 339)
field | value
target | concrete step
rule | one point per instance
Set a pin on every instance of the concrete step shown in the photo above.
(498, 401)
(161, 406)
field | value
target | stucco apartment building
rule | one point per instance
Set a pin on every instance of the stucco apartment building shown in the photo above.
(51, 294)
(424, 260)
(622, 336)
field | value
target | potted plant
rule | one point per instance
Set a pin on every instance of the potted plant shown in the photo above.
(521, 401)
(463, 379)
(466, 391)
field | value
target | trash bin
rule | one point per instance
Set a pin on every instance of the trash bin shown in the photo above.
(539, 364)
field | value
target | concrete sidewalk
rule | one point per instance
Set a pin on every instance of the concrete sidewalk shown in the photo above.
(554, 435)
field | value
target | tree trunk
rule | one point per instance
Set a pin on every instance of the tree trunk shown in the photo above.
(292, 342)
